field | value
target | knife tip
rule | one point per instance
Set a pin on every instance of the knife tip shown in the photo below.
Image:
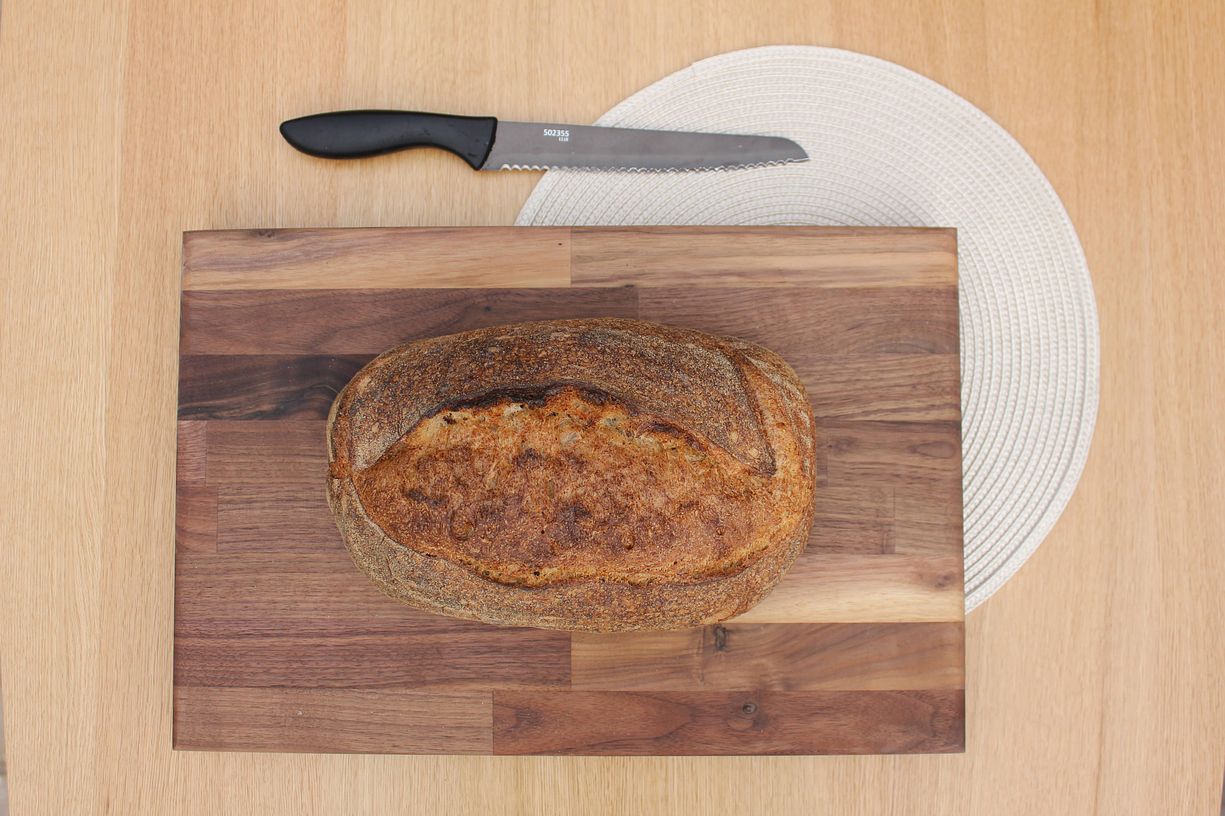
(797, 152)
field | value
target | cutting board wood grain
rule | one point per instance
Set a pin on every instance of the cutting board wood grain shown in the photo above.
(281, 644)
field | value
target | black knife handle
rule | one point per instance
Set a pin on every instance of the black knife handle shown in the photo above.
(358, 133)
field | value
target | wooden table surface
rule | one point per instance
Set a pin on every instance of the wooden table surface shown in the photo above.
(1094, 678)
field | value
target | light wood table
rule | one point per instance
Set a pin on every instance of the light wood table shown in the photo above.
(1094, 678)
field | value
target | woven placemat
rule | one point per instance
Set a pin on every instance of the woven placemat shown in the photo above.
(890, 147)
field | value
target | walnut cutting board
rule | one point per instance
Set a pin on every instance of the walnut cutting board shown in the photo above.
(281, 644)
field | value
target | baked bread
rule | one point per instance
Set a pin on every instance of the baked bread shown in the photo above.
(599, 474)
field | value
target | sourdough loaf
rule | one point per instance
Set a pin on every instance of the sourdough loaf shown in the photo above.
(599, 474)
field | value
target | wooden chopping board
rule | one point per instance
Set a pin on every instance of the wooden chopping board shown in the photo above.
(281, 644)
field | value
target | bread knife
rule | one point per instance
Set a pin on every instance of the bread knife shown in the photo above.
(486, 143)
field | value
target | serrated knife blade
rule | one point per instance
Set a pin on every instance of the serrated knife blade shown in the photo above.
(488, 144)
(543, 146)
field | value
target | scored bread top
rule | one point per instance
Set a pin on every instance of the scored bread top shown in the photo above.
(659, 370)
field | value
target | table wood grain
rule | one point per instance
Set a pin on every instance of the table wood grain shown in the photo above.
(1094, 678)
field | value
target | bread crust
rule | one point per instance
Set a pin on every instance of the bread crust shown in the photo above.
(599, 474)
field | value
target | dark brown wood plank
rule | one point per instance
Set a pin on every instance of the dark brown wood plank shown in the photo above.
(312, 619)
(934, 504)
(467, 658)
(322, 593)
(263, 386)
(846, 536)
(195, 519)
(332, 720)
(896, 484)
(763, 256)
(862, 500)
(870, 387)
(370, 321)
(706, 723)
(916, 538)
(311, 594)
(802, 323)
(785, 657)
(376, 258)
(268, 453)
(190, 453)
(922, 458)
(274, 517)
(892, 387)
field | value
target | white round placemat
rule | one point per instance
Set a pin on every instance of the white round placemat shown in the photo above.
(889, 147)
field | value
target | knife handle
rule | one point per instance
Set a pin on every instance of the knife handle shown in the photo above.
(358, 133)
